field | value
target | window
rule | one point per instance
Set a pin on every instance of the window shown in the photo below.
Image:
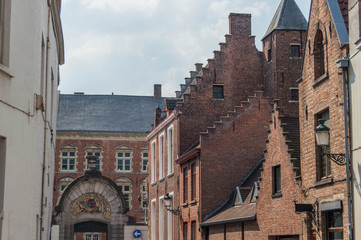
(124, 161)
(294, 94)
(125, 185)
(144, 161)
(334, 225)
(161, 219)
(284, 238)
(218, 92)
(144, 194)
(193, 181)
(269, 55)
(319, 55)
(68, 160)
(185, 231)
(63, 183)
(276, 179)
(153, 219)
(170, 220)
(295, 51)
(94, 153)
(161, 156)
(92, 236)
(170, 151)
(154, 166)
(2, 177)
(185, 185)
(323, 164)
(193, 230)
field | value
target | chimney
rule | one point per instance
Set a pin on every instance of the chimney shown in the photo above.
(240, 24)
(157, 116)
(157, 91)
(199, 67)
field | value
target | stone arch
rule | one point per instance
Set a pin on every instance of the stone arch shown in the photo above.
(91, 198)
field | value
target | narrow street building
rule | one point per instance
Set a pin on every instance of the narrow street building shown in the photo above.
(324, 179)
(31, 50)
(113, 199)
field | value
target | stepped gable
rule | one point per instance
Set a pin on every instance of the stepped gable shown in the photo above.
(288, 17)
(291, 132)
(188, 80)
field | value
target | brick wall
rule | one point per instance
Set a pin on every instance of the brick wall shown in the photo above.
(237, 66)
(317, 95)
(230, 149)
(108, 144)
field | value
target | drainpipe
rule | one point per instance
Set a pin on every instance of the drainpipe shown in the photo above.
(343, 63)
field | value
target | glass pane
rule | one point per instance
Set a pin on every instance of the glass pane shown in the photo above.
(120, 154)
(72, 154)
(145, 163)
(335, 219)
(120, 165)
(335, 236)
(64, 165)
(64, 154)
(97, 154)
(127, 165)
(145, 155)
(89, 153)
(127, 154)
(126, 188)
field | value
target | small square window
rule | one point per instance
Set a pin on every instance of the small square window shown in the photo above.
(295, 51)
(294, 94)
(218, 92)
(269, 55)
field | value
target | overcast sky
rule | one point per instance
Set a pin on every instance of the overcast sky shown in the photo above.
(126, 46)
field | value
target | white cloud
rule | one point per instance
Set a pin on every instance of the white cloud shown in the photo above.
(121, 6)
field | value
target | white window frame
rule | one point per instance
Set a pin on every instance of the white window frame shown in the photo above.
(161, 227)
(170, 222)
(153, 223)
(161, 142)
(68, 158)
(123, 159)
(153, 160)
(170, 135)
(143, 193)
(123, 182)
(142, 162)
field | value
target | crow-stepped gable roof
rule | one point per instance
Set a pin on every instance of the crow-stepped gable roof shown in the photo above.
(107, 113)
(287, 17)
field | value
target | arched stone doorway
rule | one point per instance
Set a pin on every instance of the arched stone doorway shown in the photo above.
(92, 203)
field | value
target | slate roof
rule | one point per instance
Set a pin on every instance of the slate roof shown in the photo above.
(338, 16)
(287, 17)
(107, 113)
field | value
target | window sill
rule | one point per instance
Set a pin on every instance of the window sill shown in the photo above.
(277, 195)
(296, 58)
(324, 181)
(170, 175)
(154, 183)
(185, 204)
(320, 80)
(358, 44)
(193, 202)
(218, 99)
(6, 71)
(293, 101)
(161, 179)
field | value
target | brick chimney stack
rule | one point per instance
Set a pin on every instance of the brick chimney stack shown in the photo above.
(157, 91)
(240, 24)
(157, 116)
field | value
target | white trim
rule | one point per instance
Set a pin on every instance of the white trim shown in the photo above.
(161, 219)
(153, 147)
(170, 150)
(161, 158)
(153, 218)
(170, 220)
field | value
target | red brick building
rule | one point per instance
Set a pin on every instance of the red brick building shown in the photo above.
(112, 128)
(321, 97)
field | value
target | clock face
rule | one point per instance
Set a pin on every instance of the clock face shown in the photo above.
(91, 203)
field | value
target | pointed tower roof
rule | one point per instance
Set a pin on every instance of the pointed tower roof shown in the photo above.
(287, 17)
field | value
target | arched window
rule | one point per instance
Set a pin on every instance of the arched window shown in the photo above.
(64, 182)
(319, 55)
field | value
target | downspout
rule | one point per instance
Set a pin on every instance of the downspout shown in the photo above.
(343, 63)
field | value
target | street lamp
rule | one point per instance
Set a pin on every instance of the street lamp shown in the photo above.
(168, 204)
(323, 139)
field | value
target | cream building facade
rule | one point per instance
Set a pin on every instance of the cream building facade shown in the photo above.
(355, 99)
(31, 50)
